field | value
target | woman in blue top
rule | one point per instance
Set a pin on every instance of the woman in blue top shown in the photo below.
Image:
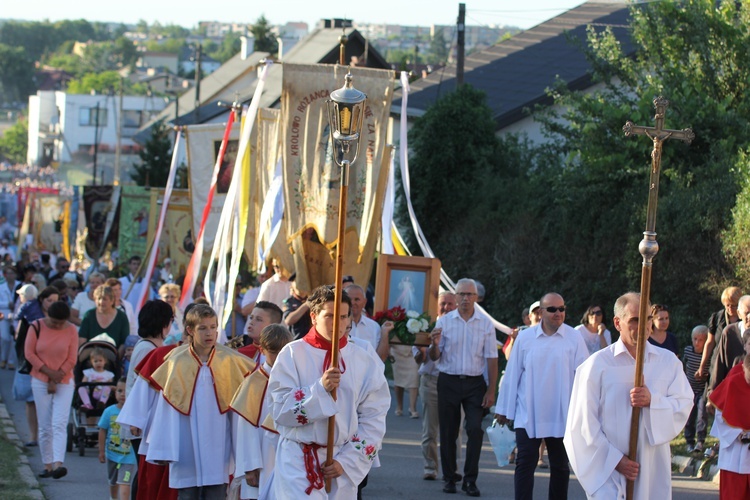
(660, 337)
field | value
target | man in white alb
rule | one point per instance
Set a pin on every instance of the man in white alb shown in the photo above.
(535, 393)
(597, 436)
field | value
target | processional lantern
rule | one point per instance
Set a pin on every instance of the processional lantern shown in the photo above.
(346, 110)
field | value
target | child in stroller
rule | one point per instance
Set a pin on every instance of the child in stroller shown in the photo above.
(97, 373)
(95, 390)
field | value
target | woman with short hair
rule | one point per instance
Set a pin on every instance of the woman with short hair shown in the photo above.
(105, 318)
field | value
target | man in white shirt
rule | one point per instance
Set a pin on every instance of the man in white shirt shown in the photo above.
(134, 294)
(597, 436)
(277, 287)
(535, 393)
(363, 327)
(463, 344)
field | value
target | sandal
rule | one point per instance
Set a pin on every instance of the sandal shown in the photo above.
(413, 414)
(399, 413)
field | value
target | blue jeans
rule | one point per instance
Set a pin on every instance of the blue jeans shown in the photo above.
(697, 422)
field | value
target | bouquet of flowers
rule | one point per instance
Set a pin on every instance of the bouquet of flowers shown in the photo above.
(406, 325)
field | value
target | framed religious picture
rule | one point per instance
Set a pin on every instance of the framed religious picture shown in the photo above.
(412, 283)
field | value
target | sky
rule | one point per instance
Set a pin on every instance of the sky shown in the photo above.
(188, 13)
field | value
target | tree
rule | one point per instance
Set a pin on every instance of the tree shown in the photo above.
(156, 158)
(229, 48)
(14, 142)
(265, 41)
(16, 74)
(438, 51)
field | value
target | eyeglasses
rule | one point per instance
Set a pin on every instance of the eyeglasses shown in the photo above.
(595, 313)
(462, 295)
(553, 309)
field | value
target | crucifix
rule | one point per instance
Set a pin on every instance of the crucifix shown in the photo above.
(648, 246)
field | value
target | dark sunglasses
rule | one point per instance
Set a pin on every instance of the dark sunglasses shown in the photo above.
(595, 313)
(553, 309)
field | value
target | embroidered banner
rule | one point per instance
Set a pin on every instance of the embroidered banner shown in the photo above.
(134, 220)
(97, 205)
(312, 179)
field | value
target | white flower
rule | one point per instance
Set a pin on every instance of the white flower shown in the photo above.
(425, 324)
(414, 326)
(412, 314)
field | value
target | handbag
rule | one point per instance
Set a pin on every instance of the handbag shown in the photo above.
(24, 367)
(503, 441)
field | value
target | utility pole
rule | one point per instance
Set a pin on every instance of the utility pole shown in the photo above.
(119, 133)
(461, 43)
(96, 139)
(199, 52)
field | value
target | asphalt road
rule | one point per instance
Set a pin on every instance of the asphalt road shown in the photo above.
(400, 474)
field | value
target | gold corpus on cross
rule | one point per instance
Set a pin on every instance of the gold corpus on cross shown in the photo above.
(648, 246)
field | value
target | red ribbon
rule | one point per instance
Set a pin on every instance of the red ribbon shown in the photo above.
(312, 466)
(319, 342)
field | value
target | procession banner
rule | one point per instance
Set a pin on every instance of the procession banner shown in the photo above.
(267, 229)
(154, 253)
(134, 221)
(175, 241)
(47, 220)
(203, 145)
(97, 204)
(194, 266)
(312, 179)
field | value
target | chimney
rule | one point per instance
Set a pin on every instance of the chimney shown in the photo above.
(247, 47)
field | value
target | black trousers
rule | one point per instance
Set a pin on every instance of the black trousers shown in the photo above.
(527, 459)
(454, 392)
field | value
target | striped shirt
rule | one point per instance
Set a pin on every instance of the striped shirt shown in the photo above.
(692, 361)
(465, 345)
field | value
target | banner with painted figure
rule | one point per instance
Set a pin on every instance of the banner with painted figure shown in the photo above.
(134, 219)
(48, 214)
(267, 227)
(203, 144)
(312, 178)
(175, 242)
(100, 203)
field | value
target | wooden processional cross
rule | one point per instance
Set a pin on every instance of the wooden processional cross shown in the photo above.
(648, 247)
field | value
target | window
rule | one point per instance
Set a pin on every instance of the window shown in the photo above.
(87, 117)
(131, 118)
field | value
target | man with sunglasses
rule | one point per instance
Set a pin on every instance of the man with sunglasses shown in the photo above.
(535, 394)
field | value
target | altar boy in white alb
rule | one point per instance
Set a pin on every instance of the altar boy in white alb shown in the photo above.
(300, 385)
(192, 430)
(598, 430)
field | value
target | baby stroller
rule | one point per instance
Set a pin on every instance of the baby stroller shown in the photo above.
(81, 433)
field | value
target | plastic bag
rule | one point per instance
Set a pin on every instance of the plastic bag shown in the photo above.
(503, 441)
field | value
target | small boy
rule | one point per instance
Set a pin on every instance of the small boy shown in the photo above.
(264, 313)
(732, 426)
(116, 451)
(192, 428)
(698, 419)
(257, 437)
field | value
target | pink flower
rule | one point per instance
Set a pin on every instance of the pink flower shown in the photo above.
(299, 394)
(369, 449)
(301, 419)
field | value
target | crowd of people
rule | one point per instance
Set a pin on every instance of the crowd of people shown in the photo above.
(179, 414)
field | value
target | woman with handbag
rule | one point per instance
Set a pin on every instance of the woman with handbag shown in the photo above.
(34, 307)
(52, 348)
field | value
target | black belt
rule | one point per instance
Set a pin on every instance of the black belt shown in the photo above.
(462, 377)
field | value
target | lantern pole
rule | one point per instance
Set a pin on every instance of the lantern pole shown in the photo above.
(345, 115)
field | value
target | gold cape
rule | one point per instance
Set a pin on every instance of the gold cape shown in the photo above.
(177, 376)
(248, 401)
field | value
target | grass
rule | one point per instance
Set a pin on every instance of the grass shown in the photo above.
(12, 486)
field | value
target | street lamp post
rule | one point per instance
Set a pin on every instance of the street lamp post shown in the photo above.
(346, 109)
